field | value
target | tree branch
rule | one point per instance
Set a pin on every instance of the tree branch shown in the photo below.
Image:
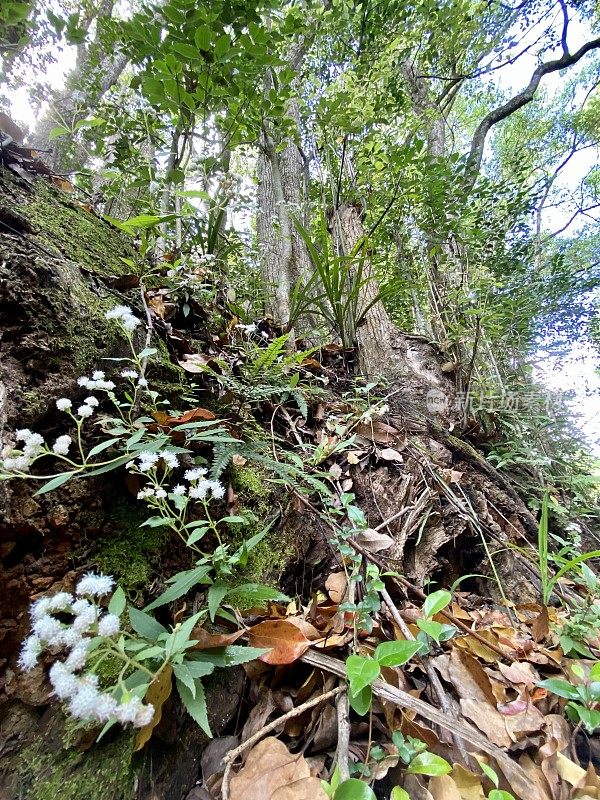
(518, 101)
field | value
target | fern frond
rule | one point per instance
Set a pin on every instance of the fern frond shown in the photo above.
(268, 356)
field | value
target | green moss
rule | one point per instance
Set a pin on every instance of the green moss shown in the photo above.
(77, 234)
(102, 773)
(129, 551)
(257, 499)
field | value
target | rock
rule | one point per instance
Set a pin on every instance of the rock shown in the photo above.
(211, 761)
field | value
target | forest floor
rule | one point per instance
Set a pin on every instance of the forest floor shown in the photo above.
(414, 648)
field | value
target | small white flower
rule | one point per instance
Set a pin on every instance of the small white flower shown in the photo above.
(106, 707)
(109, 625)
(144, 716)
(30, 651)
(117, 312)
(47, 629)
(35, 440)
(128, 710)
(21, 464)
(129, 373)
(85, 411)
(22, 435)
(170, 459)
(61, 445)
(84, 620)
(9, 463)
(179, 489)
(194, 474)
(95, 584)
(130, 323)
(143, 383)
(148, 456)
(160, 493)
(40, 608)
(98, 375)
(70, 637)
(64, 683)
(91, 401)
(60, 601)
(84, 701)
(217, 489)
(63, 403)
(107, 385)
(81, 606)
(78, 656)
(83, 381)
(199, 491)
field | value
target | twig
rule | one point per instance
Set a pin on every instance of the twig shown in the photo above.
(343, 743)
(233, 754)
(429, 669)
(149, 328)
(404, 700)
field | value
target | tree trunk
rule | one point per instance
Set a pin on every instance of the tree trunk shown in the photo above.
(84, 88)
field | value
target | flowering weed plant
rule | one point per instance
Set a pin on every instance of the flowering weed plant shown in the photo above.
(86, 635)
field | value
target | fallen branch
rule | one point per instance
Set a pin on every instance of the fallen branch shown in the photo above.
(526, 789)
(233, 754)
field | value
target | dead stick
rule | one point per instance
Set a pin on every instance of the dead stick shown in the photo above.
(233, 754)
(404, 700)
(429, 669)
(343, 743)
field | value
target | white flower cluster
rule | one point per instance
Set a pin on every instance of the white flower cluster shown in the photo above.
(148, 460)
(97, 381)
(374, 412)
(88, 405)
(85, 700)
(125, 317)
(248, 329)
(20, 460)
(199, 486)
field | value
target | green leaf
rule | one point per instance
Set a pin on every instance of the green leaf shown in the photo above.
(202, 37)
(432, 628)
(252, 593)
(560, 687)
(118, 602)
(181, 583)
(230, 656)
(145, 625)
(156, 522)
(199, 669)
(500, 794)
(222, 46)
(361, 702)
(361, 671)
(195, 704)
(428, 764)
(394, 654)
(186, 50)
(102, 446)
(399, 794)
(487, 770)
(353, 789)
(183, 674)
(60, 130)
(216, 593)
(54, 483)
(436, 602)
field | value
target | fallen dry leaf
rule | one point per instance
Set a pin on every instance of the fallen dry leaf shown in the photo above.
(443, 787)
(374, 541)
(271, 772)
(159, 690)
(337, 586)
(487, 719)
(286, 642)
(468, 677)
